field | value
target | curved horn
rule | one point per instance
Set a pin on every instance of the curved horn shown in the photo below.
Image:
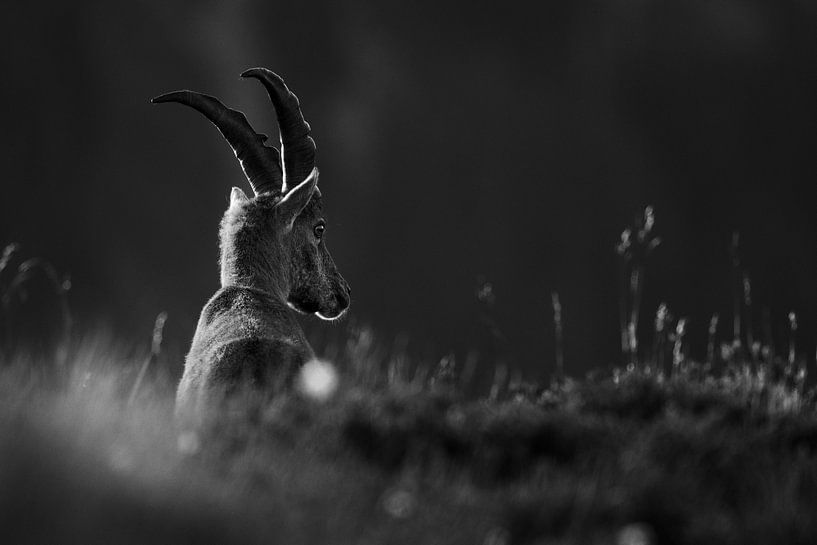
(260, 163)
(297, 147)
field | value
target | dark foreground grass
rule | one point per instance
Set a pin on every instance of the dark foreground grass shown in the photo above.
(630, 459)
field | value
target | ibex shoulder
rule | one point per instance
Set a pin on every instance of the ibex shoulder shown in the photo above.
(222, 369)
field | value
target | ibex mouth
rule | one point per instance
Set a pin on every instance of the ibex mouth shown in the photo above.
(329, 313)
(336, 311)
(331, 317)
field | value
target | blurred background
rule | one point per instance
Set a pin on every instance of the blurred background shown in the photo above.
(456, 140)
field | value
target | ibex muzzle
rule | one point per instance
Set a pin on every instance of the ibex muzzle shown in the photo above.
(273, 257)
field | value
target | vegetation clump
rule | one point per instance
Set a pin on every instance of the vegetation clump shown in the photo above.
(692, 458)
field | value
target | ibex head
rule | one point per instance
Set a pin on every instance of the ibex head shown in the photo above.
(274, 240)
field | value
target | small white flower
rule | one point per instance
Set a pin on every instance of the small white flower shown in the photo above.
(188, 443)
(399, 503)
(318, 380)
(635, 534)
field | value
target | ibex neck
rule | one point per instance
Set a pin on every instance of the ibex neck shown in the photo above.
(250, 254)
(250, 275)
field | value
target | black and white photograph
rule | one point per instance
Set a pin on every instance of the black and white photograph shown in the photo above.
(383, 273)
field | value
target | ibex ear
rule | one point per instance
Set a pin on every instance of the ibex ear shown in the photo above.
(295, 200)
(237, 197)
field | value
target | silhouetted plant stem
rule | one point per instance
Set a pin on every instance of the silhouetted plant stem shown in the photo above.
(445, 372)
(622, 299)
(747, 304)
(635, 298)
(678, 348)
(710, 345)
(635, 245)
(557, 326)
(486, 299)
(155, 350)
(659, 341)
(792, 338)
(736, 291)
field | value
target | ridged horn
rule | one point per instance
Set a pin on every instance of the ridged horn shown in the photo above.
(297, 147)
(261, 164)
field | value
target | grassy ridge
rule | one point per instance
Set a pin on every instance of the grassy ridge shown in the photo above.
(627, 458)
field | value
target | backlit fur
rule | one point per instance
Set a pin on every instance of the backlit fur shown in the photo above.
(247, 335)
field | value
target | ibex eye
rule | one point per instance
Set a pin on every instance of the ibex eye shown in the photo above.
(319, 229)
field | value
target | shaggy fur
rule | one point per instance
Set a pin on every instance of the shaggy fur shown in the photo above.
(271, 263)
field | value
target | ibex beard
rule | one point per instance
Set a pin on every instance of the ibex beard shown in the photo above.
(274, 260)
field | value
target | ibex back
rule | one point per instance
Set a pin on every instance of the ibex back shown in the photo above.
(273, 258)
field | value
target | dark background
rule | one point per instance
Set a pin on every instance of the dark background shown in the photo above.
(454, 139)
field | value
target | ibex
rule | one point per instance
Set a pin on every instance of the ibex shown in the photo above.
(273, 257)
